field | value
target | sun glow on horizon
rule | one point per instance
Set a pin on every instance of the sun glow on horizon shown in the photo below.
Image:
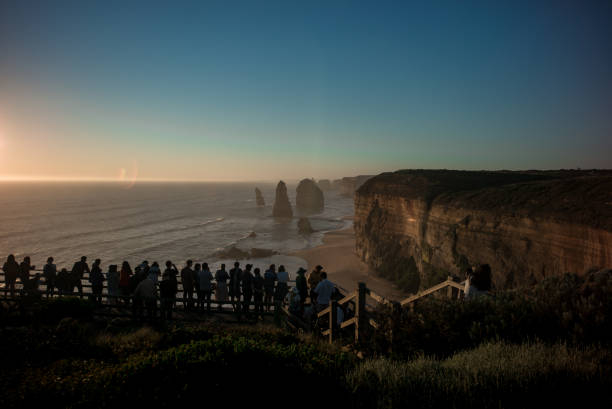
(19, 178)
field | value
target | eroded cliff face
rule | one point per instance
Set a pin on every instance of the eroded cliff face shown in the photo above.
(525, 225)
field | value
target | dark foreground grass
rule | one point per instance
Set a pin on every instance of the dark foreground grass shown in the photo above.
(142, 368)
(171, 367)
(494, 375)
(443, 354)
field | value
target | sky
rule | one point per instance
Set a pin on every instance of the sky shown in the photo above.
(262, 90)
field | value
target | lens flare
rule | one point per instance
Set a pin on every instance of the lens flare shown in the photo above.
(129, 179)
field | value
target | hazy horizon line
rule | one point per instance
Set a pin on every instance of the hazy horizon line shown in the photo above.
(33, 179)
(5, 178)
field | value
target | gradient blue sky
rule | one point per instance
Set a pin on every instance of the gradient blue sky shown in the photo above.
(267, 90)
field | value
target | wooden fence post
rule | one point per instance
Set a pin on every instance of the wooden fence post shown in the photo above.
(449, 292)
(333, 317)
(395, 320)
(360, 312)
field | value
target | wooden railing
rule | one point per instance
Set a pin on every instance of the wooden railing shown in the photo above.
(85, 281)
(361, 320)
(449, 284)
(358, 321)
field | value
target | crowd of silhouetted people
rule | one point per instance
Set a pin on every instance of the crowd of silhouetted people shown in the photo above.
(151, 292)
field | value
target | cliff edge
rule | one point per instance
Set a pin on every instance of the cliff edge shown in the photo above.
(417, 226)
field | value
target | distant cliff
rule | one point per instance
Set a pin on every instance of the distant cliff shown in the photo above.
(415, 226)
(348, 185)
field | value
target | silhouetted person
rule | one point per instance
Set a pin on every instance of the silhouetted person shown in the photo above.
(143, 268)
(168, 289)
(295, 302)
(78, 269)
(187, 280)
(282, 287)
(205, 283)
(24, 271)
(314, 278)
(234, 284)
(323, 292)
(258, 293)
(196, 284)
(154, 272)
(480, 282)
(247, 289)
(221, 277)
(302, 287)
(63, 282)
(30, 287)
(145, 294)
(124, 281)
(112, 278)
(96, 278)
(11, 272)
(269, 282)
(50, 274)
(139, 275)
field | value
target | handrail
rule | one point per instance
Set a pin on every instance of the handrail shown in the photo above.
(348, 298)
(458, 286)
(348, 322)
(324, 312)
(378, 298)
(104, 284)
(288, 313)
(447, 283)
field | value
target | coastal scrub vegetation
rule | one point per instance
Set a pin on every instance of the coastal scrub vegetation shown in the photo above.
(520, 348)
(492, 375)
(572, 309)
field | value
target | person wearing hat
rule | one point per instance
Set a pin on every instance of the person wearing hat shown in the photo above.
(313, 280)
(301, 286)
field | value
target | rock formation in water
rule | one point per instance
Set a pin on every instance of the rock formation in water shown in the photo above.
(304, 226)
(259, 198)
(261, 253)
(282, 207)
(525, 225)
(325, 185)
(309, 198)
(234, 253)
(231, 253)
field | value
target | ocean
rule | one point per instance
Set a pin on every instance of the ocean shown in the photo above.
(154, 222)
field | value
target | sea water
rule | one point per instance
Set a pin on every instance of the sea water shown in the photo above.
(153, 221)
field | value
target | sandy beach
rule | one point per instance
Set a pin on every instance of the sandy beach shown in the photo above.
(338, 257)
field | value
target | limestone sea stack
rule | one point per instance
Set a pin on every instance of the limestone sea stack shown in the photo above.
(526, 225)
(259, 199)
(282, 207)
(309, 198)
(304, 226)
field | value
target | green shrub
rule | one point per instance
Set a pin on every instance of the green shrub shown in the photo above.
(567, 308)
(229, 367)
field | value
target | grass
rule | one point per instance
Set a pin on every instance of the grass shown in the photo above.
(444, 353)
(492, 375)
(164, 366)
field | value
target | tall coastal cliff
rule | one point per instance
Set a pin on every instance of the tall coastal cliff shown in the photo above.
(416, 226)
